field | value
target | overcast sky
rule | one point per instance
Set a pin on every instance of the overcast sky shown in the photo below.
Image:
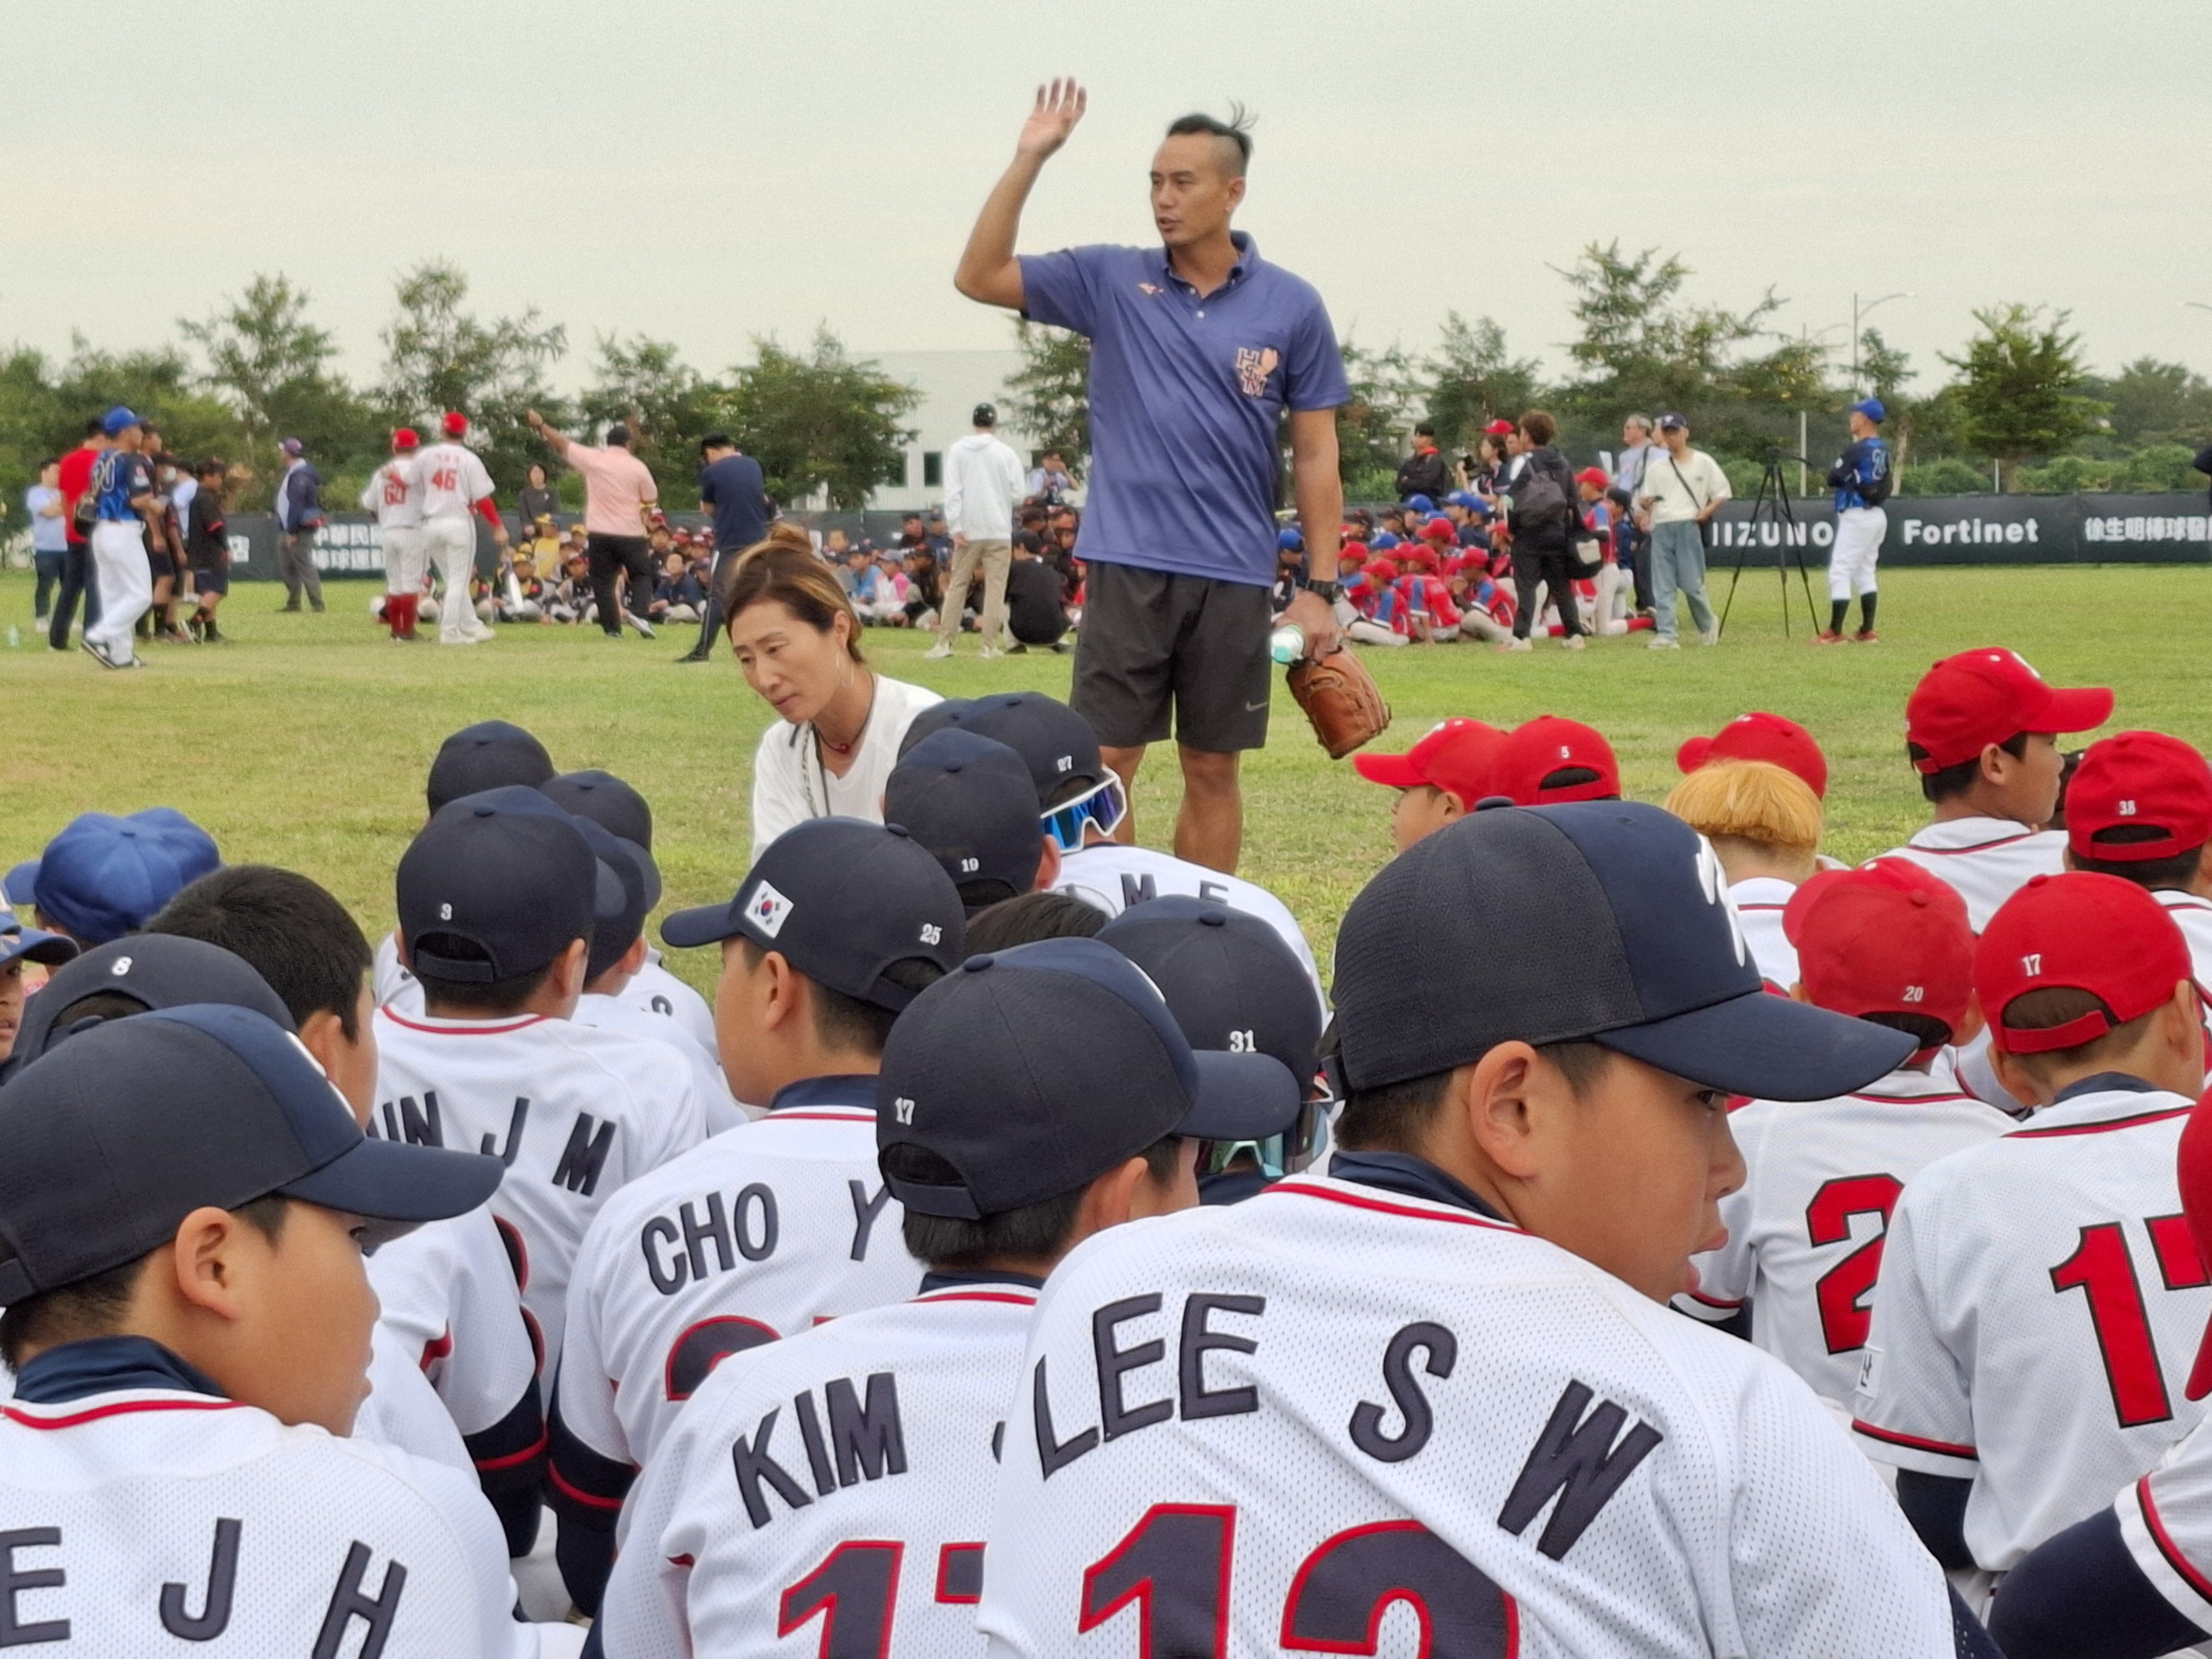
(704, 171)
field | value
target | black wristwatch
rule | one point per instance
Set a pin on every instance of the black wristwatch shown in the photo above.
(1328, 590)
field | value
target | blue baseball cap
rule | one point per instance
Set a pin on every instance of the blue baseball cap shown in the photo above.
(1872, 409)
(21, 944)
(1290, 539)
(104, 877)
(112, 1139)
(841, 900)
(1056, 743)
(117, 418)
(968, 799)
(506, 871)
(1419, 504)
(486, 756)
(1384, 541)
(16, 886)
(151, 971)
(1032, 1072)
(1603, 921)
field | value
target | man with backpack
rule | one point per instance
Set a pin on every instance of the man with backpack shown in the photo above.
(1540, 491)
(1683, 487)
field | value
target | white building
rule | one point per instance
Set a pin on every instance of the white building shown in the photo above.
(951, 384)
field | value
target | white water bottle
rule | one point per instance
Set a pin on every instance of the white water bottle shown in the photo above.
(1287, 644)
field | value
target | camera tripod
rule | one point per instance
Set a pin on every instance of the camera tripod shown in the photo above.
(1771, 506)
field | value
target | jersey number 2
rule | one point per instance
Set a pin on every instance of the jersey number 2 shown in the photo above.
(1841, 1292)
(1174, 1566)
(2103, 1270)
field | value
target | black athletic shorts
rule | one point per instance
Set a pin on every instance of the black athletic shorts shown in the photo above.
(213, 577)
(163, 562)
(1149, 639)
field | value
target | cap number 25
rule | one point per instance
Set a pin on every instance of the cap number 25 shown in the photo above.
(1174, 1566)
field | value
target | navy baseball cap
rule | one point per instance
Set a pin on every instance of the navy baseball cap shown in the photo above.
(1604, 921)
(21, 944)
(508, 872)
(968, 799)
(841, 900)
(606, 799)
(104, 877)
(484, 756)
(153, 970)
(1056, 743)
(1673, 422)
(623, 897)
(1228, 978)
(1033, 1071)
(1872, 409)
(110, 1140)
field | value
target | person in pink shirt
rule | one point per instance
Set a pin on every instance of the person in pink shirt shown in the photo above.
(619, 499)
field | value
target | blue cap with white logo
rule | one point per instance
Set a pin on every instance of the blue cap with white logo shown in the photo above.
(845, 901)
(119, 419)
(1872, 409)
(1600, 921)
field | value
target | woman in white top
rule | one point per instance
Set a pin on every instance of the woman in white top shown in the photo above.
(795, 635)
(1764, 825)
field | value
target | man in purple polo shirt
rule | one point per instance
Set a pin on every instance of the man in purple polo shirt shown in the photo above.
(1197, 348)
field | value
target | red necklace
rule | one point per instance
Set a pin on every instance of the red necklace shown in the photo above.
(836, 748)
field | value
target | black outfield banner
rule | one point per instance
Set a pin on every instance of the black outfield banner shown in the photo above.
(2170, 529)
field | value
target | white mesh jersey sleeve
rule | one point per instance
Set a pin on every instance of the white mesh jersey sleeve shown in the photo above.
(1284, 1420)
(659, 991)
(845, 1474)
(448, 1290)
(2165, 1521)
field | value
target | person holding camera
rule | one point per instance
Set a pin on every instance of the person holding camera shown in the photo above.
(1683, 487)
(1861, 479)
(1541, 495)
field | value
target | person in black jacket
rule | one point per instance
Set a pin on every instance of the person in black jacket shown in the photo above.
(1424, 471)
(1540, 490)
(2203, 464)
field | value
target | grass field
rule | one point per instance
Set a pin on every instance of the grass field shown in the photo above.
(304, 743)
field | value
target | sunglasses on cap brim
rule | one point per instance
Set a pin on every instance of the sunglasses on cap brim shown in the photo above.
(1275, 1156)
(1105, 806)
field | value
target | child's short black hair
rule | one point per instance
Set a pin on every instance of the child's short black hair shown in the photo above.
(287, 928)
(1938, 787)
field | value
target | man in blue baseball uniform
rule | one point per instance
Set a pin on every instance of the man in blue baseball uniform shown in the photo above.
(1199, 348)
(122, 489)
(1861, 479)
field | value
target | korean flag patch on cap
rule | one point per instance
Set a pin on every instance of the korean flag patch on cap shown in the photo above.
(768, 909)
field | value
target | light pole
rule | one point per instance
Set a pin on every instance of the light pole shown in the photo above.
(1859, 313)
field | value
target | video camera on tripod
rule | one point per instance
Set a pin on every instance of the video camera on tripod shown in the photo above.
(1771, 506)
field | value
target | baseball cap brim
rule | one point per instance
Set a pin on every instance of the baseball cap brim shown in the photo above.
(1391, 771)
(1768, 1046)
(396, 1183)
(706, 924)
(15, 887)
(1241, 1097)
(2083, 708)
(29, 944)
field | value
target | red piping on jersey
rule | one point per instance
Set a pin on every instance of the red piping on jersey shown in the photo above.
(980, 1296)
(2166, 1546)
(1746, 909)
(1979, 846)
(582, 1497)
(508, 1460)
(467, 1028)
(1712, 1301)
(1390, 1209)
(2098, 1128)
(1913, 1441)
(121, 1408)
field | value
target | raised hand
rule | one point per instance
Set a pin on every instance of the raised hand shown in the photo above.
(1059, 106)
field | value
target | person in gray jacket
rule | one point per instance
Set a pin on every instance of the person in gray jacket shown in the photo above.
(299, 516)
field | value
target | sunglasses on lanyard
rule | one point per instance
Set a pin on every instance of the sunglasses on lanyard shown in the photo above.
(1105, 806)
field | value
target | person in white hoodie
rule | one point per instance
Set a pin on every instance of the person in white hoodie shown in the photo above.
(982, 481)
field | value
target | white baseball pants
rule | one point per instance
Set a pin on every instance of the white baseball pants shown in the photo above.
(451, 546)
(1859, 530)
(405, 558)
(126, 586)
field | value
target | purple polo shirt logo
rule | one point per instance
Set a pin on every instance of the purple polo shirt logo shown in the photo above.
(1253, 368)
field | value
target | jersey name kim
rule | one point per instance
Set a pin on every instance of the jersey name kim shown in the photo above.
(848, 1432)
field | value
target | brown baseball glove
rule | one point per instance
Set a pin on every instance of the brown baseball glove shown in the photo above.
(1341, 700)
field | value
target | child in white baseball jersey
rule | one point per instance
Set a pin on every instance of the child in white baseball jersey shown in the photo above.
(448, 1297)
(394, 493)
(2134, 1578)
(613, 805)
(776, 1224)
(1979, 729)
(498, 900)
(847, 1473)
(183, 1202)
(1442, 1382)
(1764, 825)
(457, 491)
(2039, 1298)
(489, 754)
(2139, 808)
(1888, 944)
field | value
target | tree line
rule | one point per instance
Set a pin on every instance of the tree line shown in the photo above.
(2018, 399)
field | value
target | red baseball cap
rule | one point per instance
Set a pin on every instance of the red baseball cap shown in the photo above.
(1440, 529)
(1967, 702)
(1592, 475)
(2144, 778)
(455, 424)
(406, 437)
(1498, 429)
(2193, 1165)
(1458, 756)
(1762, 736)
(2080, 931)
(1550, 743)
(1887, 938)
